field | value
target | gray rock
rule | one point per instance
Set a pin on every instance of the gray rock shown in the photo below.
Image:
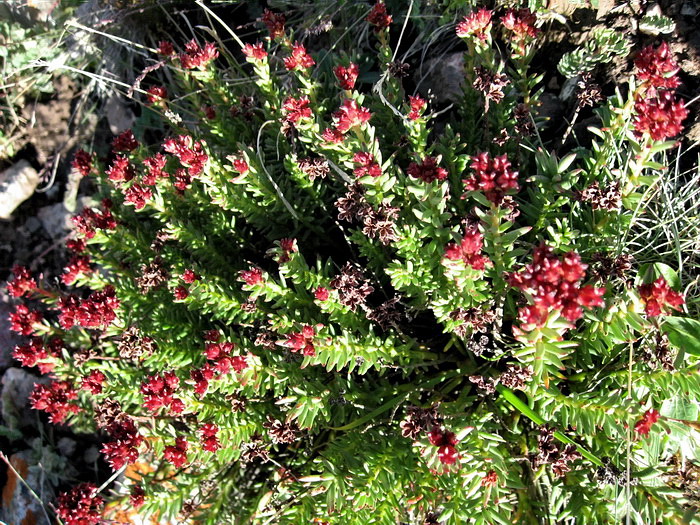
(15, 408)
(442, 77)
(91, 455)
(18, 503)
(17, 184)
(119, 116)
(55, 219)
(8, 339)
(66, 446)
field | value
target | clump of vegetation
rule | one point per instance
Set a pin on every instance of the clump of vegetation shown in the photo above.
(318, 300)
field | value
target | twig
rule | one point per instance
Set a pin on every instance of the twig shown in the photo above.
(31, 491)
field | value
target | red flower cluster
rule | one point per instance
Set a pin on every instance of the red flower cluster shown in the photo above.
(22, 320)
(469, 250)
(76, 245)
(209, 440)
(379, 17)
(521, 23)
(22, 283)
(274, 23)
(81, 506)
(252, 277)
(657, 68)
(36, 353)
(123, 449)
(554, 284)
(188, 151)
(445, 441)
(55, 399)
(121, 169)
(428, 170)
(182, 180)
(220, 353)
(643, 426)
(93, 382)
(366, 165)
(254, 51)
(299, 59)
(89, 220)
(659, 117)
(240, 165)
(332, 136)
(165, 48)
(493, 176)
(197, 57)
(82, 162)
(159, 392)
(137, 497)
(658, 297)
(350, 115)
(154, 169)
(417, 106)
(346, 75)
(97, 311)
(321, 293)
(78, 264)
(477, 23)
(138, 195)
(659, 113)
(124, 142)
(301, 341)
(295, 109)
(177, 455)
(155, 94)
(189, 276)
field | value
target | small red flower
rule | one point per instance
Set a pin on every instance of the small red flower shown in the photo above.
(177, 455)
(428, 170)
(490, 479)
(55, 399)
(321, 293)
(22, 320)
(658, 298)
(22, 283)
(332, 136)
(189, 276)
(209, 440)
(366, 165)
(93, 382)
(346, 75)
(80, 506)
(445, 441)
(350, 115)
(254, 52)
(159, 392)
(252, 277)
(154, 169)
(121, 170)
(299, 59)
(643, 426)
(125, 142)
(379, 17)
(657, 68)
(477, 24)
(76, 245)
(659, 117)
(274, 23)
(77, 265)
(82, 162)
(197, 57)
(493, 176)
(301, 341)
(155, 94)
(137, 497)
(296, 109)
(35, 353)
(165, 48)
(417, 106)
(189, 152)
(469, 250)
(180, 293)
(138, 195)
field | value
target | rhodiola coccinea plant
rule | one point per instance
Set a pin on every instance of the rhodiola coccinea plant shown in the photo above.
(307, 303)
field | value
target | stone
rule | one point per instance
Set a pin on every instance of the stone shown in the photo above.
(15, 408)
(55, 219)
(119, 116)
(442, 77)
(17, 184)
(19, 506)
(8, 338)
(66, 446)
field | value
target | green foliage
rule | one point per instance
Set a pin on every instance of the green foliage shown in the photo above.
(600, 48)
(405, 329)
